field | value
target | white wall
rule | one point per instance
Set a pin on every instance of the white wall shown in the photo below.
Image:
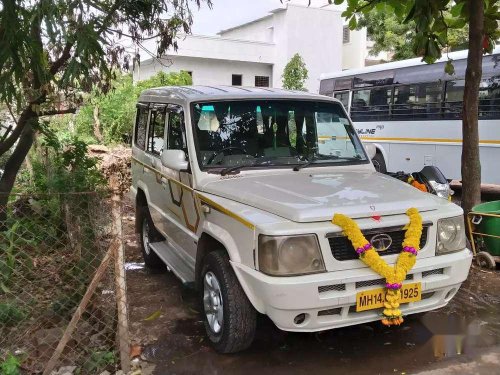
(215, 47)
(259, 30)
(205, 71)
(355, 52)
(314, 33)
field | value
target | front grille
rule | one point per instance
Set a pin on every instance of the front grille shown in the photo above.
(438, 271)
(342, 248)
(328, 288)
(335, 311)
(376, 282)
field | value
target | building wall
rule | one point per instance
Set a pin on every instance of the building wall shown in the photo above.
(314, 33)
(355, 52)
(317, 35)
(205, 71)
(259, 30)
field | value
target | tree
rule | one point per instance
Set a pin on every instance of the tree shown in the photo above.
(389, 34)
(51, 51)
(433, 21)
(295, 74)
(111, 115)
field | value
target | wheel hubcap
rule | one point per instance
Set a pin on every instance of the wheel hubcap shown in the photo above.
(145, 236)
(212, 302)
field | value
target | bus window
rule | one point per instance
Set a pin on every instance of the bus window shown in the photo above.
(343, 97)
(371, 104)
(417, 101)
(454, 98)
(489, 98)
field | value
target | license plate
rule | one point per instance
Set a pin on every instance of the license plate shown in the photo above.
(374, 299)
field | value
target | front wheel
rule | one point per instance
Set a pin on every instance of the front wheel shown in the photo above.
(379, 163)
(229, 317)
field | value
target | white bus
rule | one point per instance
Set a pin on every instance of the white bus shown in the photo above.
(411, 112)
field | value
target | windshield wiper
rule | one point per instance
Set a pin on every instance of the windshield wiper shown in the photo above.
(237, 168)
(308, 163)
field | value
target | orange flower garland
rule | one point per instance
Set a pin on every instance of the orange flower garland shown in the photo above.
(394, 275)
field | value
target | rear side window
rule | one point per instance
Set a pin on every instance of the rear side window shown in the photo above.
(141, 124)
(156, 131)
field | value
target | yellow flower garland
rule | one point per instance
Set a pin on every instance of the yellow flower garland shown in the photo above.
(394, 276)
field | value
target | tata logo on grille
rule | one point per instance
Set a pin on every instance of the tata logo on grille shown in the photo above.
(381, 242)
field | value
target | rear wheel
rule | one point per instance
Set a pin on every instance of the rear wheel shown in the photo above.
(229, 317)
(485, 260)
(148, 234)
(379, 163)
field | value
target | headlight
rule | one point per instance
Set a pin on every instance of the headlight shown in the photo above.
(450, 235)
(290, 255)
(441, 190)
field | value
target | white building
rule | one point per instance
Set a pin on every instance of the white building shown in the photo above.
(255, 53)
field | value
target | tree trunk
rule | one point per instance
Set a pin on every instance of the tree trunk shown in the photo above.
(471, 165)
(14, 164)
(97, 124)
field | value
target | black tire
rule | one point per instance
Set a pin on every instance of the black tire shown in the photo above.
(379, 163)
(237, 330)
(145, 225)
(485, 260)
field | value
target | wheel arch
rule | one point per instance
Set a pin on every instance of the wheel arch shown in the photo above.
(214, 238)
(382, 151)
(207, 244)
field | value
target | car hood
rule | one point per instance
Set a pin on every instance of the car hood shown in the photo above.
(310, 197)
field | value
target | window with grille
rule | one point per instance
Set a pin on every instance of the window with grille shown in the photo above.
(346, 37)
(261, 81)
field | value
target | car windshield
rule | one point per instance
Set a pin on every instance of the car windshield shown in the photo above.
(265, 133)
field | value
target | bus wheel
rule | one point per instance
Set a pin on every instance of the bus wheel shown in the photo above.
(379, 163)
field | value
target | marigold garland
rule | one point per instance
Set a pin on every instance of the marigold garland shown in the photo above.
(394, 276)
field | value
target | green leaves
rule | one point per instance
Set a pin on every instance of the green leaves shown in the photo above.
(449, 68)
(295, 74)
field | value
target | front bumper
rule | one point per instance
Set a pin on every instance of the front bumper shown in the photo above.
(329, 299)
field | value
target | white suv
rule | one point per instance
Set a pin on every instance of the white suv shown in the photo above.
(235, 191)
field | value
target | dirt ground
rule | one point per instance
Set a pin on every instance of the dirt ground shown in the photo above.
(463, 337)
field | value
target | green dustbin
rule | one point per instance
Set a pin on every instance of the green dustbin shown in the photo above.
(489, 225)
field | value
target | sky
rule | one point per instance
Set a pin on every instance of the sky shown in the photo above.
(228, 13)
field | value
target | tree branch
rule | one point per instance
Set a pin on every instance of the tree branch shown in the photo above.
(12, 113)
(65, 55)
(57, 112)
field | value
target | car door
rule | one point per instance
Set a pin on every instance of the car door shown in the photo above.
(152, 171)
(179, 203)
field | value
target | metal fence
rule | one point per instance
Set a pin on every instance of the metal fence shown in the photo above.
(62, 284)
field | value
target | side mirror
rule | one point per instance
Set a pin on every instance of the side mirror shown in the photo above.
(371, 150)
(174, 159)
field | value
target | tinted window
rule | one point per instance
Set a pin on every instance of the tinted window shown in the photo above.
(489, 98)
(371, 104)
(141, 124)
(417, 101)
(156, 131)
(343, 84)
(176, 139)
(454, 98)
(382, 78)
(343, 97)
(326, 86)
